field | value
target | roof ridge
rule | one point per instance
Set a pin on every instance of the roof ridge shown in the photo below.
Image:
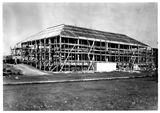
(55, 26)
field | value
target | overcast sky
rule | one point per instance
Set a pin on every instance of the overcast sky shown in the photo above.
(137, 20)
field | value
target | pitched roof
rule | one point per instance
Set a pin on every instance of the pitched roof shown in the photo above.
(74, 31)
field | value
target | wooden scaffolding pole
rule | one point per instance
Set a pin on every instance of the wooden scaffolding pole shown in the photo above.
(60, 46)
(129, 51)
(34, 52)
(123, 54)
(44, 54)
(40, 65)
(49, 41)
(57, 53)
(78, 50)
(21, 52)
(138, 54)
(37, 54)
(118, 53)
(28, 52)
(100, 51)
(106, 50)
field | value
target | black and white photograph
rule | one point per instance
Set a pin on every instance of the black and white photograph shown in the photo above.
(86, 56)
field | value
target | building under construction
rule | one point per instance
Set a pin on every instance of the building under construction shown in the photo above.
(70, 48)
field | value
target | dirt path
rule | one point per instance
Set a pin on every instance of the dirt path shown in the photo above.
(29, 70)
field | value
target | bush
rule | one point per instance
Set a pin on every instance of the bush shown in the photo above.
(11, 70)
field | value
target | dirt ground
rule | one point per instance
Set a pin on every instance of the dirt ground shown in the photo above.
(127, 94)
(69, 76)
(29, 70)
(22, 69)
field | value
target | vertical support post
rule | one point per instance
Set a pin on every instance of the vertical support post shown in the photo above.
(49, 41)
(100, 51)
(138, 54)
(129, 52)
(118, 52)
(21, 49)
(93, 50)
(68, 53)
(146, 56)
(37, 47)
(60, 52)
(71, 60)
(106, 44)
(152, 57)
(28, 52)
(44, 54)
(14, 49)
(81, 62)
(115, 54)
(93, 59)
(108, 52)
(40, 65)
(78, 50)
(123, 54)
(88, 55)
(60, 46)
(57, 53)
(64, 47)
(105, 50)
(35, 52)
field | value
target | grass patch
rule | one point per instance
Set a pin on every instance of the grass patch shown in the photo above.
(128, 94)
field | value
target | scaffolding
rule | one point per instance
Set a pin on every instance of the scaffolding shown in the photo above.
(61, 52)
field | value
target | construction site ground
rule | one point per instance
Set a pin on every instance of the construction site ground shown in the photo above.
(33, 75)
(118, 94)
(29, 70)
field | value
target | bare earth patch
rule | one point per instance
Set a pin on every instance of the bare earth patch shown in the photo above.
(29, 70)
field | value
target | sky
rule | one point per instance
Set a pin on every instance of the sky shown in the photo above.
(136, 20)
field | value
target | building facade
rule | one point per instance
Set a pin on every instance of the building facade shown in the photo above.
(71, 48)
